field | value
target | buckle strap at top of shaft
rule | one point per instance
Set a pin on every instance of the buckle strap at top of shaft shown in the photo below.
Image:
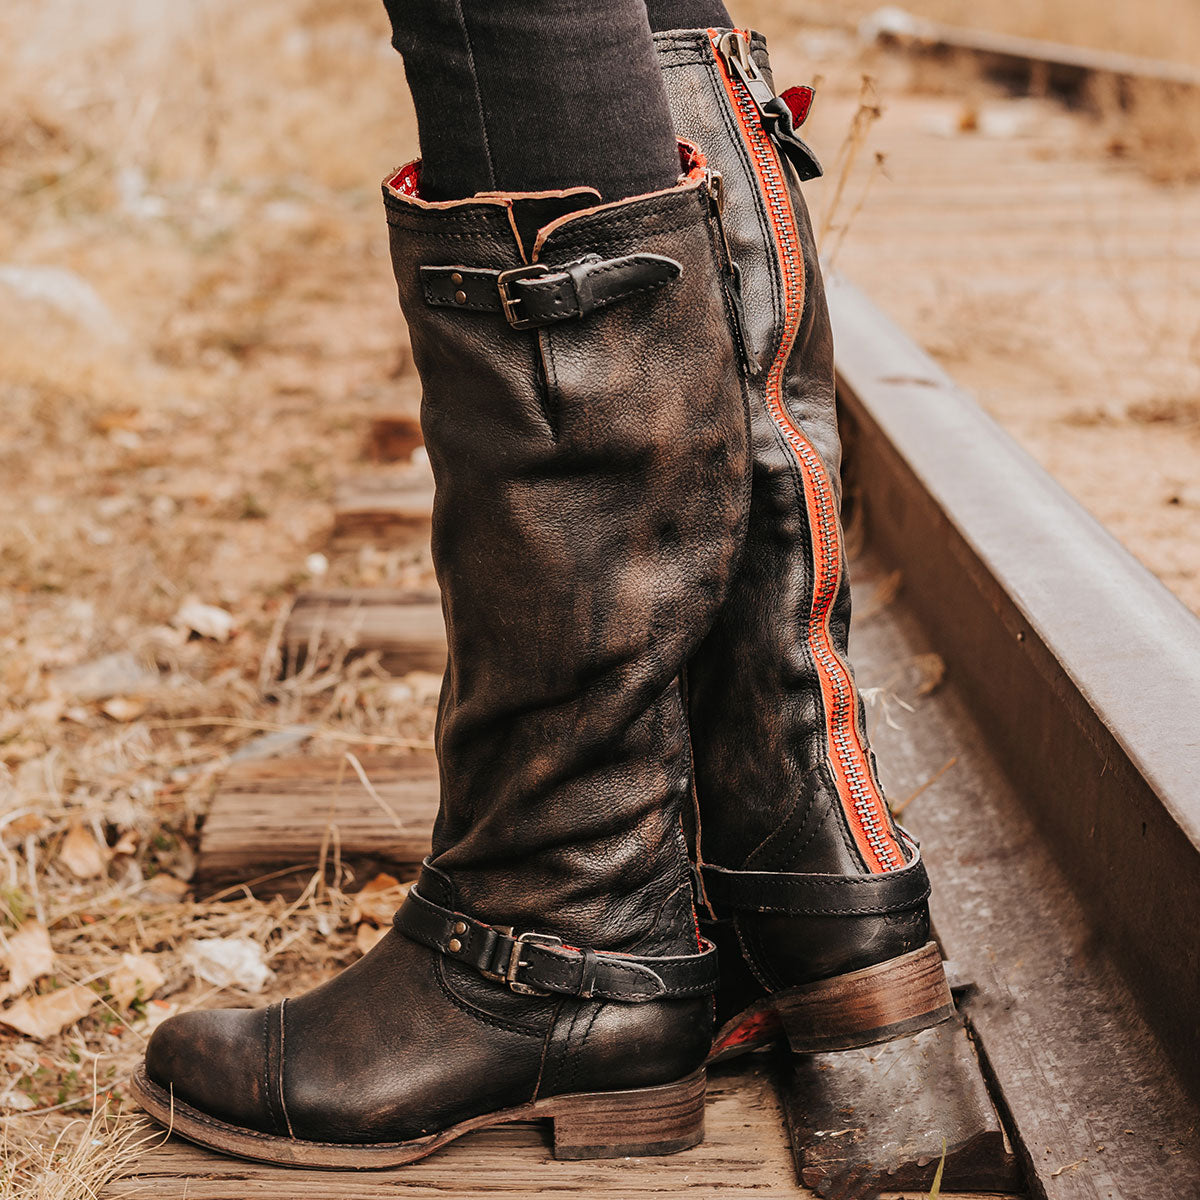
(535, 295)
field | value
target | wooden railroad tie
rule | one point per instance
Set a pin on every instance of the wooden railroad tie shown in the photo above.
(275, 818)
(384, 508)
(405, 629)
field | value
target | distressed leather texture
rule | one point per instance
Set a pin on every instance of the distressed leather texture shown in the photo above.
(767, 800)
(591, 499)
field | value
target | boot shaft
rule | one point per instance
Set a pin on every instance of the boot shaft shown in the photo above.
(586, 426)
(782, 754)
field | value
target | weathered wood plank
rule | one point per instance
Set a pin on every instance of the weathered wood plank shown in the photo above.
(745, 1152)
(406, 630)
(882, 1117)
(385, 509)
(274, 815)
(393, 437)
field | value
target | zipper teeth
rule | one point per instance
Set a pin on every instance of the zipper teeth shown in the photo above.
(851, 768)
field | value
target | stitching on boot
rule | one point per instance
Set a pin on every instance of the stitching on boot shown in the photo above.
(547, 1042)
(478, 1014)
(268, 1088)
(282, 1096)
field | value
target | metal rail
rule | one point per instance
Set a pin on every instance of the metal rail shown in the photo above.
(1065, 842)
(1060, 65)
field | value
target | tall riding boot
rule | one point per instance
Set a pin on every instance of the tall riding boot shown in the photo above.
(819, 899)
(592, 484)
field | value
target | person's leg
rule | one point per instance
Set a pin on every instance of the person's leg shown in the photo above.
(687, 14)
(586, 424)
(521, 96)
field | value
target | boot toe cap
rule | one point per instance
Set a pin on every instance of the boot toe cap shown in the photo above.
(214, 1061)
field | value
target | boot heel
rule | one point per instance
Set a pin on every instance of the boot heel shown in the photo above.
(862, 1008)
(644, 1121)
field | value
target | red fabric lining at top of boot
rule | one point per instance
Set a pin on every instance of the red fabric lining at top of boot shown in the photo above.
(407, 180)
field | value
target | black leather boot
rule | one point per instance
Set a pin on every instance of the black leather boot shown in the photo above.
(817, 897)
(584, 417)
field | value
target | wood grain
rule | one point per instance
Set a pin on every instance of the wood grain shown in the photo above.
(383, 509)
(883, 1116)
(406, 630)
(274, 815)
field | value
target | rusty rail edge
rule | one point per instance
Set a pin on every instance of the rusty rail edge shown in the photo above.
(896, 26)
(1081, 667)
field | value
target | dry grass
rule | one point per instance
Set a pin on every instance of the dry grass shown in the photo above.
(211, 170)
(75, 1163)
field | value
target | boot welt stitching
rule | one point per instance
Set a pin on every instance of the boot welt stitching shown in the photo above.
(282, 1097)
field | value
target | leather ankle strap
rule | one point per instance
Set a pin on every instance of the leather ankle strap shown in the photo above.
(800, 895)
(538, 964)
(537, 295)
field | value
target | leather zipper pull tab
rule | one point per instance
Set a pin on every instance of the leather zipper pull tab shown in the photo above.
(781, 115)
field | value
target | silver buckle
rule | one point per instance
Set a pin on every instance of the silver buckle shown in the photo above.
(509, 302)
(515, 964)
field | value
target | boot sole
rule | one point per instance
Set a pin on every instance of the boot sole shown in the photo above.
(640, 1122)
(861, 1008)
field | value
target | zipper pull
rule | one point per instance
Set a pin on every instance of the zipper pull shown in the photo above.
(781, 115)
(715, 185)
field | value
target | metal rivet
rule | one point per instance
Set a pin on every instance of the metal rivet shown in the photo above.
(456, 278)
(460, 297)
(460, 927)
(455, 946)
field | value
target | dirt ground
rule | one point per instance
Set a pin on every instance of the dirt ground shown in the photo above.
(197, 320)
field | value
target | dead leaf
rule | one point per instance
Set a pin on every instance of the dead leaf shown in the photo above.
(932, 669)
(137, 978)
(19, 752)
(378, 900)
(127, 843)
(82, 854)
(26, 826)
(367, 936)
(123, 709)
(164, 888)
(41, 1017)
(28, 956)
(229, 962)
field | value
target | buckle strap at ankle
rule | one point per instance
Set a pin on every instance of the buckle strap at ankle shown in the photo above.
(536, 295)
(538, 964)
(799, 895)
